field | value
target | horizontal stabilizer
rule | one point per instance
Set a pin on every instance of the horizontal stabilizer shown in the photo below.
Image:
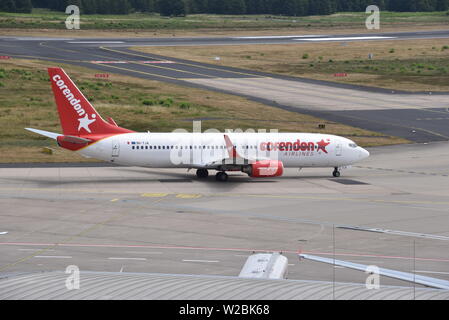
(45, 133)
(60, 137)
(73, 139)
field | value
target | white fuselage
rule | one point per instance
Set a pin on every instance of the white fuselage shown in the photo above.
(196, 150)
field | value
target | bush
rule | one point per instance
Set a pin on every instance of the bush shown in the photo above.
(168, 102)
(305, 56)
(184, 105)
(148, 102)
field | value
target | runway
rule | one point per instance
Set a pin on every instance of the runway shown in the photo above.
(128, 219)
(419, 117)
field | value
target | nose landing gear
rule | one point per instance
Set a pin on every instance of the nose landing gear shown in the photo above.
(336, 172)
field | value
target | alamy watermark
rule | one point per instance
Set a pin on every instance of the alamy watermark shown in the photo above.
(200, 147)
(372, 22)
(73, 280)
(73, 20)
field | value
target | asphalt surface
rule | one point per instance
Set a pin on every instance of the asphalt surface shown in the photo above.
(419, 117)
(166, 221)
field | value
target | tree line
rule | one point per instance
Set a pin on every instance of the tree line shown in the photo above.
(183, 7)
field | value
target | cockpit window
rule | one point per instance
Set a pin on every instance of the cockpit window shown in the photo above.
(353, 145)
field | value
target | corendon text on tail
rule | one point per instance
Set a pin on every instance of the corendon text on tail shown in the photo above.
(256, 154)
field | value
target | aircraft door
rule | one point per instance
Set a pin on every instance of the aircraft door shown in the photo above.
(115, 148)
(338, 149)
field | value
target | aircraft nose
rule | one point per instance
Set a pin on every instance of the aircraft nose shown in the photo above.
(363, 154)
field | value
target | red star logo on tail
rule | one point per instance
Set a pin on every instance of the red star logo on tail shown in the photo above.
(322, 145)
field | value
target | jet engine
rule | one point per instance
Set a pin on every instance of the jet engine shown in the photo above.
(265, 168)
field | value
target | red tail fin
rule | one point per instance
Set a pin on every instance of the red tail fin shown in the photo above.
(77, 115)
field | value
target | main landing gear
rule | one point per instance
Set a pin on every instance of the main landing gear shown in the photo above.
(221, 176)
(336, 173)
(202, 173)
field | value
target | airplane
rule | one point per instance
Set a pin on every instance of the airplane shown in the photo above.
(256, 154)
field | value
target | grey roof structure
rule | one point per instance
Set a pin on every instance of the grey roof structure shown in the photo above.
(137, 286)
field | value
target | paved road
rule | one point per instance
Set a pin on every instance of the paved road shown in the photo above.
(166, 221)
(419, 117)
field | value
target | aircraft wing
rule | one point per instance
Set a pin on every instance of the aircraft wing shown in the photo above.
(410, 277)
(229, 157)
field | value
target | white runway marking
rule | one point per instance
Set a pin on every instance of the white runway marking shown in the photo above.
(55, 257)
(87, 42)
(281, 37)
(36, 249)
(206, 261)
(131, 61)
(119, 258)
(42, 39)
(143, 252)
(348, 38)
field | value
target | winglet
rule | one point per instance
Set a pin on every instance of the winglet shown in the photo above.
(232, 151)
(111, 121)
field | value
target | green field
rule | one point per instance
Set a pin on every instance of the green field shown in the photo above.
(43, 18)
